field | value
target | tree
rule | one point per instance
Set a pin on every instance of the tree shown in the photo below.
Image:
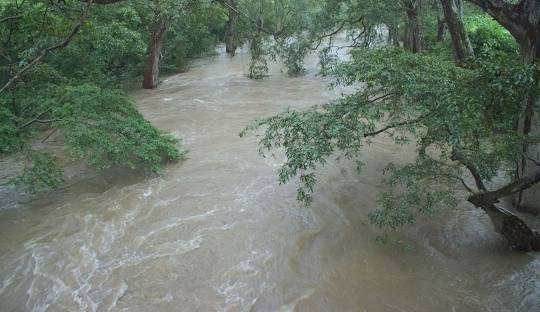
(522, 20)
(159, 26)
(63, 65)
(414, 30)
(463, 121)
(453, 16)
(231, 31)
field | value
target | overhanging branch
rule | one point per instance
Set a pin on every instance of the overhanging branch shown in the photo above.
(57, 46)
(395, 125)
(457, 155)
(490, 198)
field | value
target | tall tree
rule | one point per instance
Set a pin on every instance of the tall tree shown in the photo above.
(467, 115)
(453, 15)
(413, 39)
(160, 24)
(231, 40)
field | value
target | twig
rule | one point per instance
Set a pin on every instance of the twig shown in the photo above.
(5, 19)
(46, 51)
(395, 125)
(49, 135)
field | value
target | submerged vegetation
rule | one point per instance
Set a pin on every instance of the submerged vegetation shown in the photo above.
(65, 67)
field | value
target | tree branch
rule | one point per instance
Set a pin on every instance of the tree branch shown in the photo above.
(489, 198)
(5, 19)
(395, 125)
(457, 155)
(44, 52)
(320, 39)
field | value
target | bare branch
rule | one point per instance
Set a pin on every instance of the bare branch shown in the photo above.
(342, 26)
(36, 119)
(244, 15)
(469, 189)
(49, 135)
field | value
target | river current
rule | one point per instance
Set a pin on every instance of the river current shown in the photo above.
(216, 231)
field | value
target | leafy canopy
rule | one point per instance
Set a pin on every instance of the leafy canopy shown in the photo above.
(470, 110)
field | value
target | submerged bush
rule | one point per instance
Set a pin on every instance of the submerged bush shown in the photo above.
(100, 126)
(40, 173)
(103, 127)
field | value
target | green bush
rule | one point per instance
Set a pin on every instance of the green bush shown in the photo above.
(9, 140)
(103, 127)
(40, 173)
(488, 36)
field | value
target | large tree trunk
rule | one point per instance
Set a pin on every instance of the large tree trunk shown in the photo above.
(151, 71)
(460, 41)
(517, 232)
(517, 229)
(414, 30)
(230, 35)
(522, 20)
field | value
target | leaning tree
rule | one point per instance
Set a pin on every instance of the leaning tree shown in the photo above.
(473, 125)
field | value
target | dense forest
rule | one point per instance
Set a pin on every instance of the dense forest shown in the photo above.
(456, 79)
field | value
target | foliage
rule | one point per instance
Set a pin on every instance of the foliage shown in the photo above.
(75, 91)
(258, 65)
(487, 36)
(471, 110)
(104, 128)
(192, 34)
(293, 54)
(40, 173)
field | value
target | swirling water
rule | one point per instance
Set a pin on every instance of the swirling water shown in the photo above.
(217, 232)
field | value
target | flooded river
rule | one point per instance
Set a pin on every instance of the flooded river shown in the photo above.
(216, 232)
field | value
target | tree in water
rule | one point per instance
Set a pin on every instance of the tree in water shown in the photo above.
(258, 65)
(155, 46)
(522, 20)
(231, 40)
(413, 36)
(63, 66)
(471, 123)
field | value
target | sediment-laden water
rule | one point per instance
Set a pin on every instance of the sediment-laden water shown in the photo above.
(217, 232)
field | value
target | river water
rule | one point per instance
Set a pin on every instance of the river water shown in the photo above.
(216, 232)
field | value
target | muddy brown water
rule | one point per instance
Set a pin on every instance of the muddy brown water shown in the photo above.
(217, 232)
